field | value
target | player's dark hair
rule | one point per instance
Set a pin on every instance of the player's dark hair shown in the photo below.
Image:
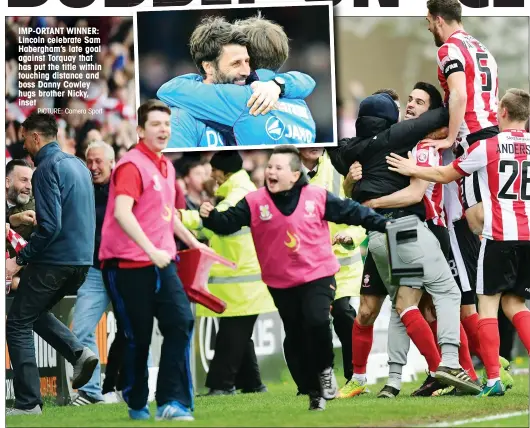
(209, 38)
(43, 123)
(435, 98)
(449, 10)
(268, 45)
(10, 167)
(287, 149)
(391, 92)
(148, 106)
(517, 104)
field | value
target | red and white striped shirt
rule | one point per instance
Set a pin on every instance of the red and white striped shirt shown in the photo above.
(434, 195)
(462, 52)
(503, 167)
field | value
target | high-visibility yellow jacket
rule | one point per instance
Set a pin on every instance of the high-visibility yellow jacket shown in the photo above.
(242, 288)
(349, 277)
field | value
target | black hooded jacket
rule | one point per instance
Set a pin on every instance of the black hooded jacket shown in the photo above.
(376, 138)
(339, 211)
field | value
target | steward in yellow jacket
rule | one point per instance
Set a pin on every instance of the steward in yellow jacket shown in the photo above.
(234, 365)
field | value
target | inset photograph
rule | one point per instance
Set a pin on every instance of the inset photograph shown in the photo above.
(240, 77)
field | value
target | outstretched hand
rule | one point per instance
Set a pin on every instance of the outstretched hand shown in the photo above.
(437, 144)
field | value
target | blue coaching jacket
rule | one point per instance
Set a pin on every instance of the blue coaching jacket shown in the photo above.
(65, 208)
(224, 116)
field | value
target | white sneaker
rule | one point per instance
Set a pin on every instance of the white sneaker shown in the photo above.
(19, 412)
(112, 398)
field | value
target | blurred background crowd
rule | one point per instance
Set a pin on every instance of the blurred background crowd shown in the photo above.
(114, 92)
(402, 52)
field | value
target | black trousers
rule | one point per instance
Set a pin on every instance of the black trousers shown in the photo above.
(343, 318)
(139, 295)
(234, 363)
(114, 373)
(308, 343)
(41, 287)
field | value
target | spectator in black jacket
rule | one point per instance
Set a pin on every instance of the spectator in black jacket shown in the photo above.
(57, 256)
(379, 134)
(377, 137)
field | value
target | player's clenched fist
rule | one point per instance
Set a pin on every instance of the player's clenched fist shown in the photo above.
(206, 209)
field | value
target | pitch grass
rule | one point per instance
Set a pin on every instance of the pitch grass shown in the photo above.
(281, 407)
(515, 421)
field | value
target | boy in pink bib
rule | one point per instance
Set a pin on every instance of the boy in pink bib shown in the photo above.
(288, 220)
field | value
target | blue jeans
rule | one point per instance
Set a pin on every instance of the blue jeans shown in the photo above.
(92, 300)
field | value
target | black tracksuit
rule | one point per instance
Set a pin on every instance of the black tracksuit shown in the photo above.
(304, 309)
(376, 138)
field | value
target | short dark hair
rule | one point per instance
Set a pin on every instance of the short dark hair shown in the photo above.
(435, 98)
(209, 38)
(187, 162)
(148, 106)
(391, 92)
(449, 10)
(10, 167)
(43, 123)
(288, 149)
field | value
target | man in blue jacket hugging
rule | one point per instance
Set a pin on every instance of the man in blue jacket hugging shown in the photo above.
(218, 108)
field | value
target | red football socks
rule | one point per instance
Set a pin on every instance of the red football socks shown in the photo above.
(521, 322)
(420, 333)
(363, 337)
(464, 356)
(470, 324)
(488, 330)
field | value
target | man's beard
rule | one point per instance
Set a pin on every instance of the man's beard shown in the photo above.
(221, 78)
(19, 199)
(438, 40)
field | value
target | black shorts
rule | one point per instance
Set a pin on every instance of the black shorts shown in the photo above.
(470, 191)
(463, 259)
(371, 283)
(504, 266)
(442, 234)
(469, 186)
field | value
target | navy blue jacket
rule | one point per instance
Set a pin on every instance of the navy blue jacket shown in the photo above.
(65, 208)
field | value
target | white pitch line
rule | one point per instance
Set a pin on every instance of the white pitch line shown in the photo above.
(483, 419)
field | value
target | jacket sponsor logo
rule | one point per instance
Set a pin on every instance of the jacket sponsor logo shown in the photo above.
(293, 243)
(275, 128)
(309, 209)
(264, 212)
